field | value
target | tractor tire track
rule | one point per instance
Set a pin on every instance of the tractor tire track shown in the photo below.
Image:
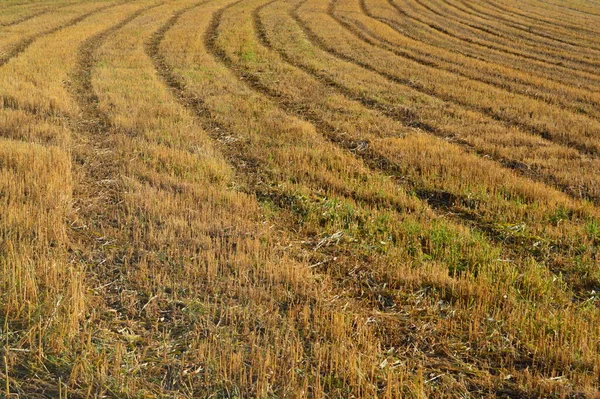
(589, 14)
(435, 200)
(396, 26)
(236, 155)
(506, 11)
(233, 151)
(246, 166)
(378, 162)
(13, 103)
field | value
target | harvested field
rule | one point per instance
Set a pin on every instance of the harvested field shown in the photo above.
(299, 199)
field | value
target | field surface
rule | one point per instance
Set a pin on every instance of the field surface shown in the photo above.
(300, 199)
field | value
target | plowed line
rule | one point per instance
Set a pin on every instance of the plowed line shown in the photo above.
(177, 87)
(196, 105)
(483, 45)
(405, 117)
(548, 57)
(540, 67)
(389, 46)
(487, 17)
(203, 113)
(238, 158)
(23, 45)
(374, 161)
(505, 11)
(545, 134)
(589, 14)
(34, 15)
(232, 151)
(98, 169)
(503, 36)
(396, 26)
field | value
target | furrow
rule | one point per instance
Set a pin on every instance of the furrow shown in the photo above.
(523, 34)
(542, 71)
(424, 59)
(473, 12)
(34, 15)
(473, 42)
(97, 191)
(23, 45)
(584, 149)
(406, 117)
(505, 11)
(235, 154)
(82, 87)
(251, 81)
(375, 161)
(401, 29)
(565, 7)
(533, 54)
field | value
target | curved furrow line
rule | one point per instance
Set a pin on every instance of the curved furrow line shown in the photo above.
(586, 150)
(34, 15)
(82, 86)
(246, 165)
(411, 119)
(396, 26)
(178, 88)
(484, 46)
(238, 158)
(376, 162)
(539, 53)
(96, 191)
(194, 103)
(406, 117)
(381, 42)
(552, 73)
(469, 10)
(559, 40)
(175, 85)
(522, 32)
(28, 17)
(506, 11)
(220, 56)
(215, 129)
(490, 45)
(552, 40)
(577, 10)
(23, 45)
